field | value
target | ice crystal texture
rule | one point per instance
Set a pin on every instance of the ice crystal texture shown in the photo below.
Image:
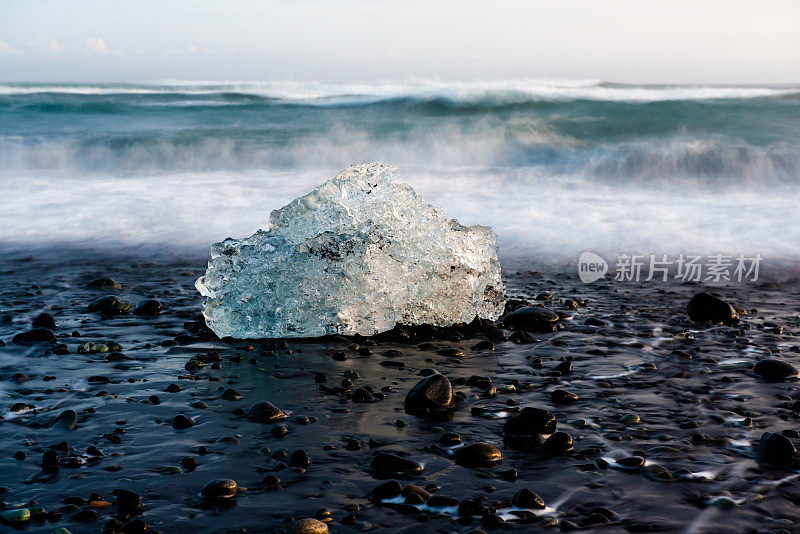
(357, 255)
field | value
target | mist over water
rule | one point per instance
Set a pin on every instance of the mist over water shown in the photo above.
(554, 167)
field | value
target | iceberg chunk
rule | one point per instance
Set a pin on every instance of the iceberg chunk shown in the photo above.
(357, 255)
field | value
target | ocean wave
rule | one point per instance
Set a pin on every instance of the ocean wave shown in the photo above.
(663, 162)
(327, 94)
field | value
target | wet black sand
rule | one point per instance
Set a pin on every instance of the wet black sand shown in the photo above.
(700, 407)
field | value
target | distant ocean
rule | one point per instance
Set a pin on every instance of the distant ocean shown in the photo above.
(556, 167)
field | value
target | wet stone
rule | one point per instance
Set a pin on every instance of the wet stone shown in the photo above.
(219, 488)
(44, 320)
(561, 396)
(558, 443)
(773, 369)
(430, 396)
(385, 465)
(477, 454)
(531, 319)
(776, 449)
(387, 490)
(148, 307)
(525, 498)
(33, 336)
(128, 503)
(362, 395)
(310, 525)
(103, 283)
(265, 412)
(300, 459)
(631, 462)
(182, 422)
(528, 428)
(67, 419)
(109, 305)
(705, 307)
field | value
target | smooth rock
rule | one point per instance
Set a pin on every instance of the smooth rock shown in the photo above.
(219, 488)
(773, 369)
(265, 412)
(529, 427)
(103, 283)
(44, 320)
(477, 454)
(16, 515)
(182, 422)
(309, 525)
(387, 490)
(525, 498)
(33, 336)
(67, 419)
(110, 305)
(558, 443)
(430, 396)
(704, 307)
(561, 396)
(531, 319)
(776, 449)
(148, 307)
(385, 465)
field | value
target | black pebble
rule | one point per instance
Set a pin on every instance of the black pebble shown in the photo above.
(772, 369)
(44, 320)
(704, 307)
(181, 422)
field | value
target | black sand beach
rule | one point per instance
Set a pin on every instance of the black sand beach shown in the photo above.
(665, 427)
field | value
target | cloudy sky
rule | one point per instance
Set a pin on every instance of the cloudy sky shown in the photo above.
(652, 41)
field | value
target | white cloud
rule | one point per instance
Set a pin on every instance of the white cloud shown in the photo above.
(51, 46)
(97, 45)
(192, 49)
(8, 50)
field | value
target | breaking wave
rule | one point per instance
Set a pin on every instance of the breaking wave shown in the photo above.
(649, 167)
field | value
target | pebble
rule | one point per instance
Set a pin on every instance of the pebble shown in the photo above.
(477, 454)
(387, 490)
(630, 419)
(16, 515)
(704, 307)
(385, 465)
(182, 422)
(300, 459)
(110, 305)
(561, 396)
(525, 498)
(558, 443)
(148, 307)
(44, 320)
(219, 488)
(531, 319)
(362, 395)
(631, 462)
(772, 369)
(67, 419)
(103, 283)
(128, 503)
(430, 396)
(33, 336)
(265, 412)
(776, 449)
(309, 525)
(529, 427)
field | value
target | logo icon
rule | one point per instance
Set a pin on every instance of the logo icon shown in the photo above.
(591, 267)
